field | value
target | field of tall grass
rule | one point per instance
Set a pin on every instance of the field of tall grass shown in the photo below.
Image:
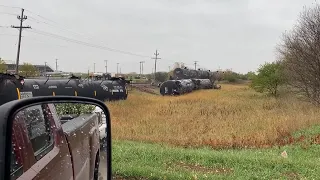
(233, 117)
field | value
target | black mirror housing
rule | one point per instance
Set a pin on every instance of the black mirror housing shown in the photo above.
(8, 113)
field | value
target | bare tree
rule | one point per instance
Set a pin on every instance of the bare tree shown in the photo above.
(300, 53)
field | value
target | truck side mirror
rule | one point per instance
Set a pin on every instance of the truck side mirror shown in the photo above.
(58, 137)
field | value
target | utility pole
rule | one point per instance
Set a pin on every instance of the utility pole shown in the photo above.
(141, 67)
(106, 65)
(56, 64)
(21, 18)
(155, 63)
(117, 68)
(94, 67)
(45, 68)
(195, 65)
(169, 68)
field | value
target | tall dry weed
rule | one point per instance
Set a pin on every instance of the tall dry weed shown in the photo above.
(234, 116)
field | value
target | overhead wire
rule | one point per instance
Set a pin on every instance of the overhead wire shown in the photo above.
(8, 13)
(8, 35)
(61, 27)
(81, 42)
(10, 6)
(72, 31)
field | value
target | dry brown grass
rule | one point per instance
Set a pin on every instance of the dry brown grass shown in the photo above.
(234, 116)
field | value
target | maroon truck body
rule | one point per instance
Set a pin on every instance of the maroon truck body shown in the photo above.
(46, 149)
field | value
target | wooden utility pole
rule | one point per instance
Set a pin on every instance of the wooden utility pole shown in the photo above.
(155, 63)
(56, 64)
(45, 68)
(141, 67)
(195, 65)
(106, 65)
(21, 18)
(117, 68)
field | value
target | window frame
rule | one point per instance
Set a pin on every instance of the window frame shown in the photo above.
(40, 153)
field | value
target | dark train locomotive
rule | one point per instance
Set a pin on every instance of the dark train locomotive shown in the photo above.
(15, 87)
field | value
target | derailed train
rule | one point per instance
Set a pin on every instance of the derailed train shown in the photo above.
(186, 81)
(184, 73)
(14, 87)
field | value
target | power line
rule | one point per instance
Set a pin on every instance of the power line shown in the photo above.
(8, 35)
(41, 19)
(10, 6)
(84, 43)
(81, 34)
(38, 20)
(8, 13)
(64, 29)
(42, 16)
(60, 25)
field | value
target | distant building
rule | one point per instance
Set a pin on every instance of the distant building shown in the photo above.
(41, 68)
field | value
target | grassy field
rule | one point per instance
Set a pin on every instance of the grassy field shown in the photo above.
(232, 133)
(134, 160)
(234, 116)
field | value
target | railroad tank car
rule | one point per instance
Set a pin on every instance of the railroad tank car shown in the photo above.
(203, 84)
(14, 87)
(9, 88)
(176, 87)
(180, 73)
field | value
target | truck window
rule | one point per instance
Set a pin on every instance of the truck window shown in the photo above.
(39, 131)
(16, 166)
(16, 169)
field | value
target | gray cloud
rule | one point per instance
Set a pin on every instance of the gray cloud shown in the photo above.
(217, 33)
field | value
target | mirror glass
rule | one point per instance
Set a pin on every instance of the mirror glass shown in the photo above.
(51, 141)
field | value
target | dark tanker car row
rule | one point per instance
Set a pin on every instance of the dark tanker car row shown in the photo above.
(104, 88)
(186, 80)
(14, 87)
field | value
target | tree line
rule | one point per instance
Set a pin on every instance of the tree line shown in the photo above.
(26, 69)
(298, 63)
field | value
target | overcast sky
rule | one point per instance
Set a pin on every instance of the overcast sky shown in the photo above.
(234, 34)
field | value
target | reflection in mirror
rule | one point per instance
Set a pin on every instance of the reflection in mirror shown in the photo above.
(69, 134)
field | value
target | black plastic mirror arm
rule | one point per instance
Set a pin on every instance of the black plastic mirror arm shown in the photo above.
(7, 114)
